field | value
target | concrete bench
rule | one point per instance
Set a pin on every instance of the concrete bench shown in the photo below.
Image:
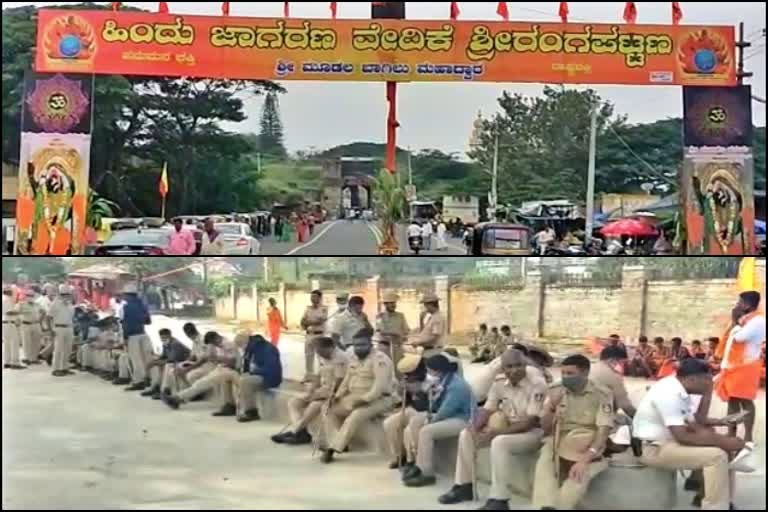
(619, 487)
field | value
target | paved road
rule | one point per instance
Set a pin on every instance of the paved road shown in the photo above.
(343, 238)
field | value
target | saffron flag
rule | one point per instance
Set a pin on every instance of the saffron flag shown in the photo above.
(564, 11)
(630, 13)
(455, 11)
(163, 8)
(677, 13)
(164, 186)
(334, 9)
(503, 10)
(286, 9)
(225, 8)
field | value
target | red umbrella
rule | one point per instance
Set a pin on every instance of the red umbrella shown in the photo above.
(629, 227)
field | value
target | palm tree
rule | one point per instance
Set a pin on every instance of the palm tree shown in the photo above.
(99, 208)
(390, 202)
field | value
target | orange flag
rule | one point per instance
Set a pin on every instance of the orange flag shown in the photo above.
(455, 11)
(116, 6)
(503, 10)
(225, 8)
(334, 9)
(677, 13)
(164, 185)
(163, 8)
(564, 11)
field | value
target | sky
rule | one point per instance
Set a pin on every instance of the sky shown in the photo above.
(321, 115)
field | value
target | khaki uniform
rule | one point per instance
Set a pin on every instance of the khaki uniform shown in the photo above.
(502, 342)
(11, 332)
(515, 403)
(434, 325)
(31, 330)
(222, 377)
(61, 313)
(140, 352)
(371, 380)
(606, 377)
(200, 351)
(313, 322)
(305, 409)
(393, 330)
(586, 411)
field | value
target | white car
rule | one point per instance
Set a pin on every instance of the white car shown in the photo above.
(238, 239)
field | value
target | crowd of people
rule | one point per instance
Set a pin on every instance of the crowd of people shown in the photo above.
(427, 232)
(358, 371)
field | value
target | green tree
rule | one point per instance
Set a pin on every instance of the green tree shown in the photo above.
(271, 135)
(36, 268)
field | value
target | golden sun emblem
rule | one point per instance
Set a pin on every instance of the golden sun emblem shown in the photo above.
(69, 38)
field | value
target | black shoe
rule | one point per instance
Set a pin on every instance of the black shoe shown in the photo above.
(157, 395)
(299, 438)
(6, 366)
(327, 456)
(226, 410)
(697, 501)
(25, 361)
(57, 373)
(420, 481)
(281, 438)
(171, 401)
(732, 507)
(198, 398)
(121, 382)
(66, 373)
(136, 387)
(411, 471)
(17, 367)
(458, 494)
(692, 484)
(150, 392)
(496, 505)
(249, 415)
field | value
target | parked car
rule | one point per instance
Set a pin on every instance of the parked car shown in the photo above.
(137, 242)
(238, 239)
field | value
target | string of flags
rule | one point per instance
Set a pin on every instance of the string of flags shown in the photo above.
(502, 9)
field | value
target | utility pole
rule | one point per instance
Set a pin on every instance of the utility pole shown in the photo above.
(205, 272)
(742, 45)
(495, 175)
(591, 177)
(410, 169)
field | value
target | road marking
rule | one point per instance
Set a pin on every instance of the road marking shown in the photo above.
(376, 232)
(314, 240)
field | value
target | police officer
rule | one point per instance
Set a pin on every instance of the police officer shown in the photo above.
(481, 349)
(577, 419)
(350, 322)
(365, 392)
(11, 331)
(135, 318)
(333, 366)
(432, 335)
(61, 314)
(413, 395)
(508, 423)
(313, 323)
(31, 328)
(392, 328)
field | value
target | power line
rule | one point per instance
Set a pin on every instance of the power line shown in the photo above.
(658, 174)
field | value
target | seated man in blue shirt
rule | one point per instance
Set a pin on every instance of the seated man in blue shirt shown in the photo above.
(261, 371)
(161, 368)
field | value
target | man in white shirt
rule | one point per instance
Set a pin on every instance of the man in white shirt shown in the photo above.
(11, 331)
(426, 234)
(677, 434)
(413, 231)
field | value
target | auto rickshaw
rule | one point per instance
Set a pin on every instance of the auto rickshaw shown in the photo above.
(499, 239)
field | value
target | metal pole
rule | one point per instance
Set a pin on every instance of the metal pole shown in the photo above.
(591, 177)
(495, 178)
(258, 162)
(410, 169)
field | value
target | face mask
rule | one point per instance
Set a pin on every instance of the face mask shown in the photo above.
(362, 352)
(575, 383)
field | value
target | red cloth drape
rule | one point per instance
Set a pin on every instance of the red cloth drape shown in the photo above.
(677, 13)
(163, 8)
(564, 11)
(630, 13)
(287, 9)
(334, 9)
(455, 11)
(225, 8)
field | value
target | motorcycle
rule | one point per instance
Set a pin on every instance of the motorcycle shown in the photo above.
(416, 243)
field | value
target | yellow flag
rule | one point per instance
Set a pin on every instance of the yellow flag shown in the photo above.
(164, 186)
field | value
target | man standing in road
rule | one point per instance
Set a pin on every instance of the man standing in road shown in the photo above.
(135, 317)
(182, 240)
(61, 312)
(426, 235)
(430, 339)
(11, 331)
(392, 328)
(313, 325)
(31, 329)
(213, 243)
